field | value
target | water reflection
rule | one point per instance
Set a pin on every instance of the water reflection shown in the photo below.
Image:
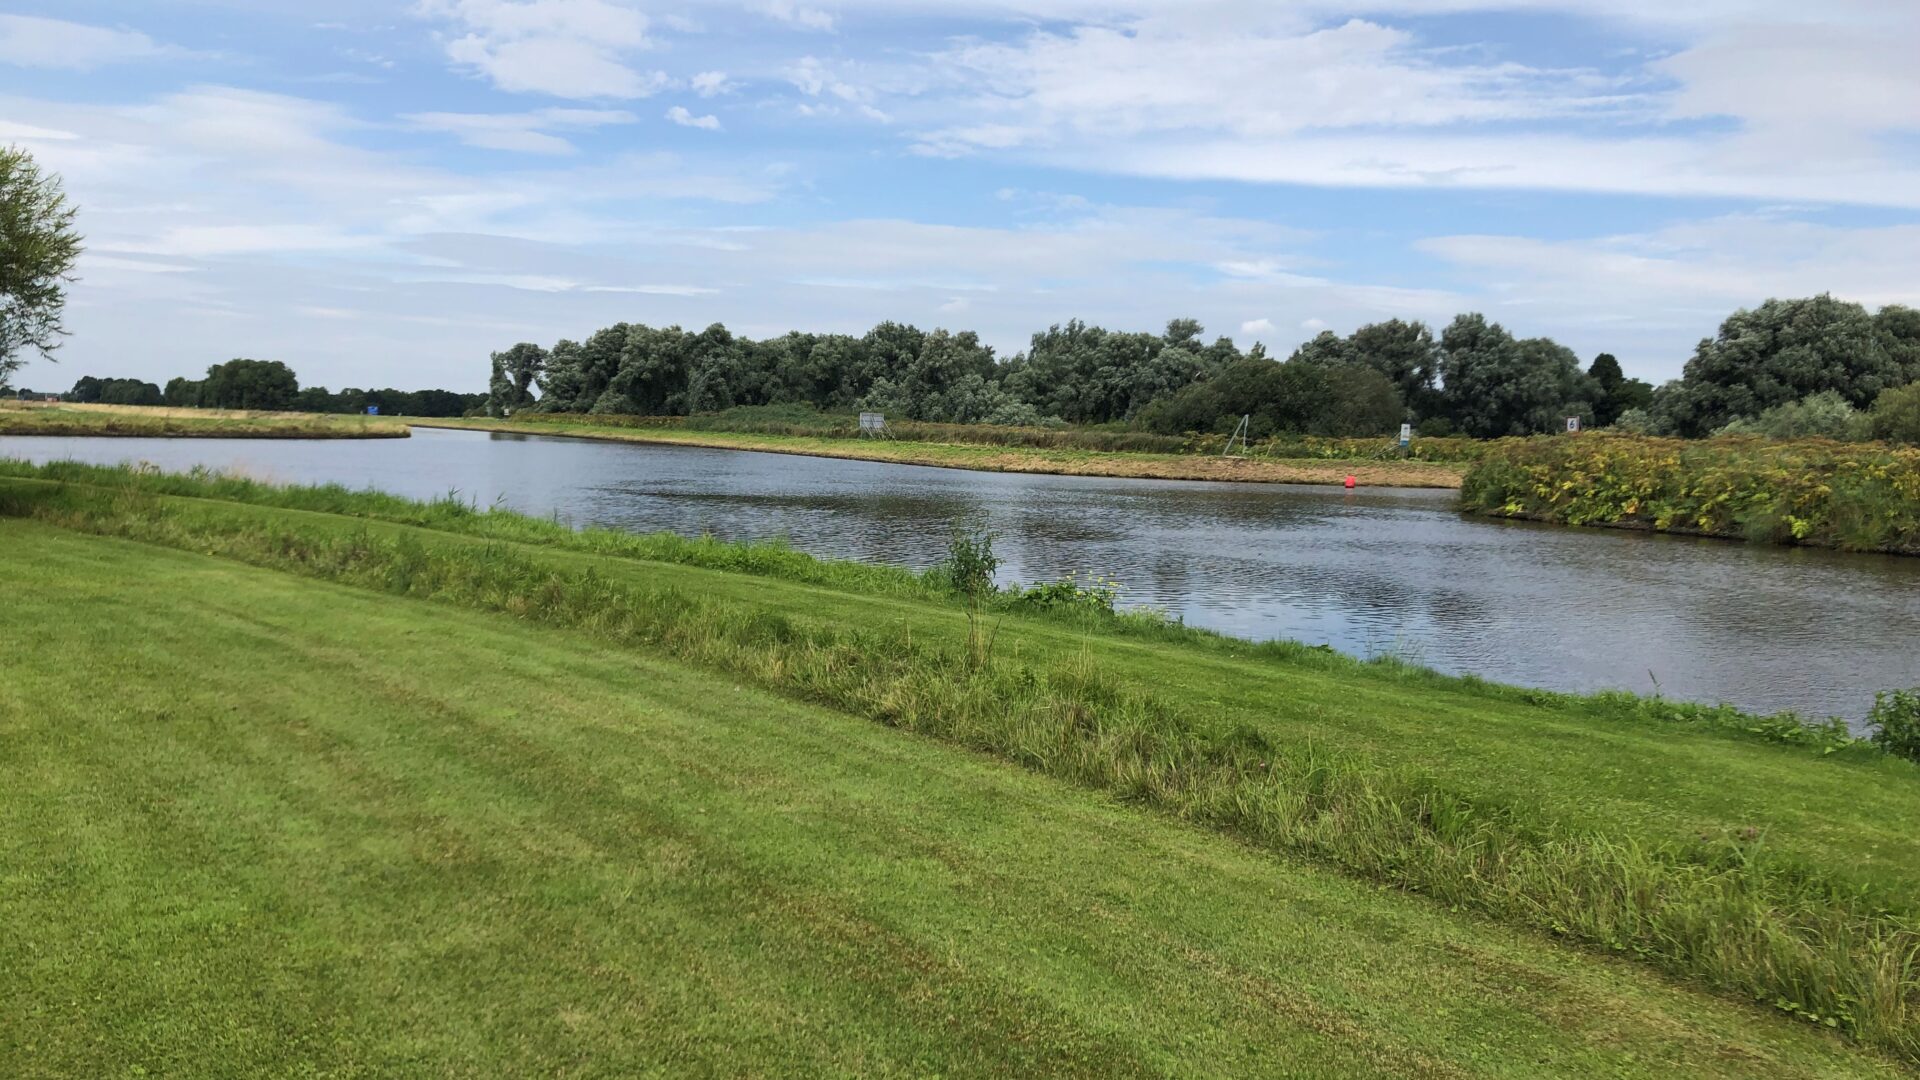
(1367, 571)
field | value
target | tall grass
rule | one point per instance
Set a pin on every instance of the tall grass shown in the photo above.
(1091, 610)
(1858, 497)
(1728, 912)
(135, 421)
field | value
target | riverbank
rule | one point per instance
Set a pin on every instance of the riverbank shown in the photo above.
(984, 458)
(1781, 870)
(139, 421)
(1815, 492)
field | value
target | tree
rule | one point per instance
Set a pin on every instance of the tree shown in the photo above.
(1495, 385)
(1785, 350)
(38, 247)
(182, 392)
(514, 371)
(267, 385)
(1304, 397)
(1896, 415)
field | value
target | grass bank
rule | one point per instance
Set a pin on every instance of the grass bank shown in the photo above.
(993, 457)
(140, 421)
(1779, 873)
(1853, 496)
(283, 827)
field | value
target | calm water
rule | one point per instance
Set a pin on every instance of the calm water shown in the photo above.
(1368, 572)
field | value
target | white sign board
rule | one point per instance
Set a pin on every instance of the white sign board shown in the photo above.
(1573, 425)
(873, 421)
(1406, 434)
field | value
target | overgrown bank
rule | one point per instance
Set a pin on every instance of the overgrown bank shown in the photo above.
(132, 421)
(1016, 450)
(1758, 869)
(1857, 497)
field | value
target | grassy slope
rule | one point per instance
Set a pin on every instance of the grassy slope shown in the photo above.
(272, 826)
(1011, 459)
(135, 421)
(1855, 817)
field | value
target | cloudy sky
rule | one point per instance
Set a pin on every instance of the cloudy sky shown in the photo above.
(380, 192)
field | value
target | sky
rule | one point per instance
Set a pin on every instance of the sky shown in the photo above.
(382, 193)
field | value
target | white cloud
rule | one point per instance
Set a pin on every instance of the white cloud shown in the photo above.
(28, 41)
(806, 18)
(710, 84)
(566, 48)
(528, 132)
(679, 115)
(1256, 327)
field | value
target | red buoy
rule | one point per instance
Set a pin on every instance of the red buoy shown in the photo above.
(1350, 481)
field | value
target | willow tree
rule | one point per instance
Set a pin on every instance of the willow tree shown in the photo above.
(38, 247)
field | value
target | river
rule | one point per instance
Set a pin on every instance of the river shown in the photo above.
(1369, 571)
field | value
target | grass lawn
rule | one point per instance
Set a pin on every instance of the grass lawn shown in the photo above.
(985, 458)
(140, 421)
(256, 824)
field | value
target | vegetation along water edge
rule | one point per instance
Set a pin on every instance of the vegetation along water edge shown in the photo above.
(1777, 868)
(133, 421)
(1853, 496)
(984, 456)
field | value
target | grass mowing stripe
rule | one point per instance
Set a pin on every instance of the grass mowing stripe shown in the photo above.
(299, 829)
(1737, 917)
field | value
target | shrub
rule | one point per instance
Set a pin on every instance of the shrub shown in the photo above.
(1825, 415)
(1094, 595)
(1896, 415)
(1896, 721)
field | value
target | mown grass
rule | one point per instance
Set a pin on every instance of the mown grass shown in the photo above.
(1853, 496)
(137, 421)
(992, 456)
(1753, 868)
(260, 825)
(451, 513)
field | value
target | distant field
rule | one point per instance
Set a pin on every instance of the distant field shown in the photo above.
(987, 457)
(260, 825)
(39, 418)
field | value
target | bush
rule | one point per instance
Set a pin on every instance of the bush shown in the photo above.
(1095, 595)
(1896, 415)
(1825, 415)
(1896, 722)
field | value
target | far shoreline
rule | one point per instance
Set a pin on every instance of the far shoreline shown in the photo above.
(974, 458)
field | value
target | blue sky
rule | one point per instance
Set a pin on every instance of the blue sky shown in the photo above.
(380, 193)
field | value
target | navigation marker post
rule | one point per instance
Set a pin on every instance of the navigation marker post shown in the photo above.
(1573, 425)
(1406, 435)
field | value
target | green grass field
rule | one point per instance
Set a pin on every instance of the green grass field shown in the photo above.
(261, 823)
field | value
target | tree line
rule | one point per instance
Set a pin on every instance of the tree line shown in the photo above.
(1475, 378)
(270, 386)
(1472, 378)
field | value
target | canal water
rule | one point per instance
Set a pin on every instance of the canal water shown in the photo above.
(1370, 571)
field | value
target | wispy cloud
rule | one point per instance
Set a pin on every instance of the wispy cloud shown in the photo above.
(565, 48)
(526, 132)
(29, 41)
